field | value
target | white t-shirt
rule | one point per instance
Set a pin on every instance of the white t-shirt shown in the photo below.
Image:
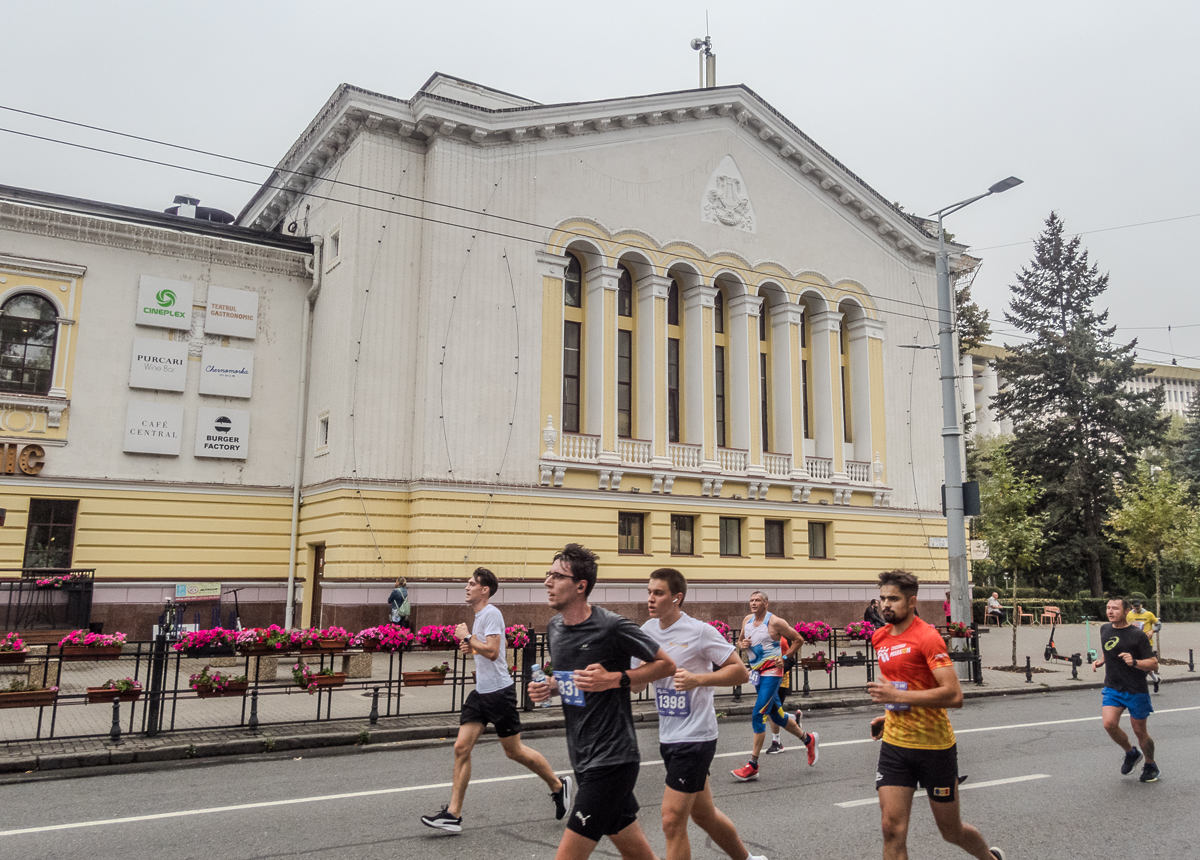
(697, 647)
(490, 675)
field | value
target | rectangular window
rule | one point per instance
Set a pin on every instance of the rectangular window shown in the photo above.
(50, 534)
(322, 440)
(673, 389)
(624, 383)
(762, 324)
(762, 397)
(570, 407)
(845, 409)
(335, 245)
(629, 532)
(673, 303)
(804, 397)
(774, 530)
(731, 536)
(573, 283)
(682, 534)
(719, 376)
(719, 313)
(816, 540)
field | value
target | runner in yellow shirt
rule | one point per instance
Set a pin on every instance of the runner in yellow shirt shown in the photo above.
(1150, 625)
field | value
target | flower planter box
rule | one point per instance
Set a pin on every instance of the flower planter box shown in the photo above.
(209, 651)
(337, 679)
(423, 679)
(74, 653)
(35, 699)
(847, 660)
(262, 650)
(811, 664)
(104, 695)
(234, 688)
(7, 658)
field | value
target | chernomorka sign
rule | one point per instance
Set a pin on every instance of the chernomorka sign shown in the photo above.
(160, 365)
(164, 303)
(226, 372)
(222, 432)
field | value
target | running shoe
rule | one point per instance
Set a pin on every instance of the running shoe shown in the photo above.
(755, 857)
(811, 746)
(443, 821)
(1131, 758)
(775, 748)
(997, 853)
(1150, 772)
(747, 772)
(562, 798)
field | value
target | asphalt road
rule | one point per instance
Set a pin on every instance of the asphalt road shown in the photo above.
(1044, 782)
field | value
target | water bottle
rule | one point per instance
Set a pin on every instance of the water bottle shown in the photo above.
(539, 677)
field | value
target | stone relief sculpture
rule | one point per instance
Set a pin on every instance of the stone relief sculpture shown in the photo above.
(726, 200)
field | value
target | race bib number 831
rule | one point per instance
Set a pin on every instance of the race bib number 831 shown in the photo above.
(567, 691)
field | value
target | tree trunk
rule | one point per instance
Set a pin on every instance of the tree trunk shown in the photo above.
(1092, 526)
(1157, 604)
(1016, 619)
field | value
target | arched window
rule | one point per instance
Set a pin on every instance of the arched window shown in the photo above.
(28, 330)
(673, 303)
(719, 395)
(625, 293)
(625, 355)
(573, 283)
(719, 313)
(573, 323)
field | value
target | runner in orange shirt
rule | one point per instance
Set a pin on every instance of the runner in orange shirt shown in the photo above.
(918, 684)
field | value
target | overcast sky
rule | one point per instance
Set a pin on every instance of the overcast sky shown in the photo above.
(1093, 104)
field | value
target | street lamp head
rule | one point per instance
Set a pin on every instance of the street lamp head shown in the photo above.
(1004, 185)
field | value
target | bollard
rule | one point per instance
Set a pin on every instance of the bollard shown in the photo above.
(1075, 661)
(737, 693)
(374, 718)
(253, 724)
(804, 693)
(1191, 662)
(114, 734)
(1028, 671)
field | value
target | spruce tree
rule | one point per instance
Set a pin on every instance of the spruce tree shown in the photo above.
(1187, 453)
(1077, 425)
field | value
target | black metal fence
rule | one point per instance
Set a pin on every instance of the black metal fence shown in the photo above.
(63, 601)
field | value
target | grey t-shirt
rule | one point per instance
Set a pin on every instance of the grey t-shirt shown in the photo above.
(600, 731)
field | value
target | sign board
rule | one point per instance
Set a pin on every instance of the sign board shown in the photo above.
(198, 591)
(232, 312)
(226, 372)
(979, 550)
(158, 364)
(939, 543)
(164, 303)
(153, 428)
(222, 432)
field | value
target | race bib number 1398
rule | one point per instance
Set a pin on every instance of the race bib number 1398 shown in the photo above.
(673, 703)
(567, 691)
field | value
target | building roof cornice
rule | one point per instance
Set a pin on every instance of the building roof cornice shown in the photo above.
(428, 117)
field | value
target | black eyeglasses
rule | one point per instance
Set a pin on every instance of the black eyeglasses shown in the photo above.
(556, 576)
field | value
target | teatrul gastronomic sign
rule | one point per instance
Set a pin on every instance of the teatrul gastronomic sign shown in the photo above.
(226, 372)
(153, 428)
(222, 432)
(164, 303)
(232, 312)
(158, 364)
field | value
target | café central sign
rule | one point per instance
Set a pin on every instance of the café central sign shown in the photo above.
(164, 303)
(153, 428)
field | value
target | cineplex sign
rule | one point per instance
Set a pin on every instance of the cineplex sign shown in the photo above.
(166, 303)
(157, 428)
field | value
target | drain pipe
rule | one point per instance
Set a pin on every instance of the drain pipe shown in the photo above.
(301, 425)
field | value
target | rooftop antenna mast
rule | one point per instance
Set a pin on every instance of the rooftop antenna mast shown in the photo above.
(708, 60)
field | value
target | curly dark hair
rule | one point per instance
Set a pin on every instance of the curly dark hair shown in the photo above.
(902, 579)
(582, 563)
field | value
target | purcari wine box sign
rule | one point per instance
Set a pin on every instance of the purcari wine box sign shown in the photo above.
(153, 428)
(164, 303)
(226, 372)
(232, 312)
(222, 432)
(158, 364)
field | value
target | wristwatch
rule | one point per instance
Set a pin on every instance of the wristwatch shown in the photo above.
(624, 680)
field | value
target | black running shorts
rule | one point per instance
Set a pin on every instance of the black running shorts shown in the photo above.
(604, 801)
(688, 764)
(936, 771)
(498, 708)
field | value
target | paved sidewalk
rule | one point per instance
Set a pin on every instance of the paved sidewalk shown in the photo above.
(194, 740)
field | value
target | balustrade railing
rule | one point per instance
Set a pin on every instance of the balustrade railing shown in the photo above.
(858, 472)
(685, 456)
(820, 468)
(733, 459)
(777, 465)
(635, 451)
(579, 447)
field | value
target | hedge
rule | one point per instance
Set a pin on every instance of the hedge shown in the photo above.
(1174, 609)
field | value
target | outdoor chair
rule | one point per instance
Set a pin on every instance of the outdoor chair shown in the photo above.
(1051, 614)
(990, 618)
(1019, 616)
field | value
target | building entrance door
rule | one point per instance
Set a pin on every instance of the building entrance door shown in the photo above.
(318, 576)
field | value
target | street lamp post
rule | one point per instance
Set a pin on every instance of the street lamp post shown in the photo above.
(956, 538)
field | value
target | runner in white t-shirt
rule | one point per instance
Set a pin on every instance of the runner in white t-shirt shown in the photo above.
(687, 722)
(494, 700)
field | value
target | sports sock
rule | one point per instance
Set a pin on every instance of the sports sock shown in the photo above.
(754, 760)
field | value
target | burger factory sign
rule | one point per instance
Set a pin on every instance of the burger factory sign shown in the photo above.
(222, 432)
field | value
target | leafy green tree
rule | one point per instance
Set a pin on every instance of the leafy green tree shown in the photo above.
(1076, 424)
(1155, 524)
(971, 320)
(1007, 521)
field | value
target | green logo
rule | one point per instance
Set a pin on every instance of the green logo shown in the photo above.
(165, 298)
(1112, 643)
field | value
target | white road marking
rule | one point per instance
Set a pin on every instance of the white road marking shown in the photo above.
(872, 801)
(185, 813)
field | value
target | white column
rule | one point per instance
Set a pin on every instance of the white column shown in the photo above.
(697, 358)
(786, 320)
(826, 415)
(650, 361)
(859, 333)
(600, 388)
(743, 378)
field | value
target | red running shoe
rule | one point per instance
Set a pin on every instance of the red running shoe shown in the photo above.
(811, 746)
(747, 772)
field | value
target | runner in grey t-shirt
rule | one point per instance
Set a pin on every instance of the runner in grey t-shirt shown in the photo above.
(590, 650)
